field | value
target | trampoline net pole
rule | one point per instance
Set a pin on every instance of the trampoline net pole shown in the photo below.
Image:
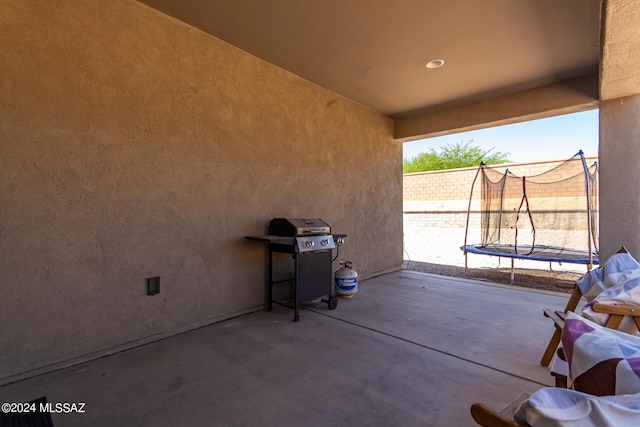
(512, 272)
(504, 182)
(587, 181)
(466, 230)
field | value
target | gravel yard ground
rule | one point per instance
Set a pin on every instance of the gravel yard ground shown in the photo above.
(437, 251)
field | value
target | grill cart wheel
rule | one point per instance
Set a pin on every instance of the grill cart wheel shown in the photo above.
(332, 303)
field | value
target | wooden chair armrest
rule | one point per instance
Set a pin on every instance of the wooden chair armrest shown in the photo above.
(622, 309)
(557, 316)
(487, 417)
(617, 312)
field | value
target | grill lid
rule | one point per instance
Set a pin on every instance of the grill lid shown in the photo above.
(298, 227)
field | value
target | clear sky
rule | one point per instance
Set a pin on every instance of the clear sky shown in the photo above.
(555, 138)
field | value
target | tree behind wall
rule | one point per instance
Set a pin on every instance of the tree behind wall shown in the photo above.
(453, 156)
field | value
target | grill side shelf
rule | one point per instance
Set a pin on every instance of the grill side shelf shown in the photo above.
(280, 240)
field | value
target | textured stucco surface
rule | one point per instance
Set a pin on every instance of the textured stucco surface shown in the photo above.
(569, 96)
(620, 127)
(620, 175)
(620, 49)
(131, 146)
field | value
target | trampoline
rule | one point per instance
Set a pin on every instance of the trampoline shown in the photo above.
(549, 217)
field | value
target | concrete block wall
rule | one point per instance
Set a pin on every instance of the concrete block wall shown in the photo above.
(441, 198)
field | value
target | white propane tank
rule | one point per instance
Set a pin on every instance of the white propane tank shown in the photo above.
(346, 280)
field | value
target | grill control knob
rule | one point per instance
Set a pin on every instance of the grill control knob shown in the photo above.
(325, 242)
(308, 244)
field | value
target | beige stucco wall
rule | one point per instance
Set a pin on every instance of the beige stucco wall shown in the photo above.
(620, 175)
(620, 127)
(569, 96)
(131, 146)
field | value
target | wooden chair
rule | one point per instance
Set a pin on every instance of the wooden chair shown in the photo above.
(559, 317)
(616, 312)
(487, 417)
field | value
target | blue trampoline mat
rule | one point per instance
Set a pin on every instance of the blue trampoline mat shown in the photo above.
(535, 253)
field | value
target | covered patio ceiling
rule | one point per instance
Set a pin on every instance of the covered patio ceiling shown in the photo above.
(375, 52)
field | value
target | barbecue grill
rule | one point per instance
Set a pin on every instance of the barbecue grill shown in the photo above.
(311, 244)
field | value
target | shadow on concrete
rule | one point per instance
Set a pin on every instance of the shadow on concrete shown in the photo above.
(528, 278)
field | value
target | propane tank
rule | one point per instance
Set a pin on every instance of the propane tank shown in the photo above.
(346, 280)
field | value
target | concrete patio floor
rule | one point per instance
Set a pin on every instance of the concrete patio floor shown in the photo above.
(409, 349)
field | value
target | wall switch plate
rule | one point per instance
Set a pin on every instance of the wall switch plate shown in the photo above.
(153, 285)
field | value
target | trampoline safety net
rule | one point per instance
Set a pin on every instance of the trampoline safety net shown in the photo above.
(552, 216)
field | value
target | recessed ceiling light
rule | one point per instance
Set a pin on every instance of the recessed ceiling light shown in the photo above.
(435, 63)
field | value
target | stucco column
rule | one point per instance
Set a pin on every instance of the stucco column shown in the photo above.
(620, 176)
